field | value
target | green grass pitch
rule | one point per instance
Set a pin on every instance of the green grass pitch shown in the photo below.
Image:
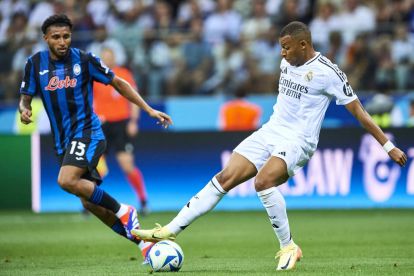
(352, 242)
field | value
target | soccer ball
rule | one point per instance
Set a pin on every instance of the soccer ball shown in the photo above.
(166, 256)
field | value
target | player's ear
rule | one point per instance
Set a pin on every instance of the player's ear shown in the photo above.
(303, 43)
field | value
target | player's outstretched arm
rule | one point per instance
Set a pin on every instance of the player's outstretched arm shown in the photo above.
(25, 108)
(356, 109)
(126, 90)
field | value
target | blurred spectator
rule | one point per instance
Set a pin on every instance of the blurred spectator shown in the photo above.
(239, 114)
(230, 67)
(232, 43)
(402, 53)
(127, 29)
(166, 61)
(258, 23)
(191, 9)
(263, 62)
(385, 70)
(354, 20)
(30, 46)
(15, 38)
(224, 22)
(163, 20)
(83, 24)
(44, 9)
(336, 50)
(102, 40)
(198, 60)
(294, 10)
(322, 25)
(7, 9)
(360, 65)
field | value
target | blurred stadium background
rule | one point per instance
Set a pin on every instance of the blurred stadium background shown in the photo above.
(189, 58)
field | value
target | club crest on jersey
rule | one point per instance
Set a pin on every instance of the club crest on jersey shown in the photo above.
(309, 76)
(56, 83)
(76, 69)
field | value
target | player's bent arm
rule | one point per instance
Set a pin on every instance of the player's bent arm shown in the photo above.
(356, 109)
(126, 90)
(25, 108)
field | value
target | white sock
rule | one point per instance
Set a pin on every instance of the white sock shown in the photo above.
(275, 206)
(122, 210)
(201, 203)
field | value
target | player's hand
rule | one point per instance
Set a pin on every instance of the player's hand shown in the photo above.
(398, 156)
(25, 116)
(132, 128)
(162, 118)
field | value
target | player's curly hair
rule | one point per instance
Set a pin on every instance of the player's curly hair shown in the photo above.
(56, 20)
(296, 29)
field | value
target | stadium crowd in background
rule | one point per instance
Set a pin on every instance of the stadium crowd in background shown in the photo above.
(193, 47)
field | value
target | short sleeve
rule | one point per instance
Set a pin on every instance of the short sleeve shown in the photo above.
(28, 85)
(98, 70)
(339, 87)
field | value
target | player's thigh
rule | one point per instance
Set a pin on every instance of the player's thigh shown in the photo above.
(237, 170)
(273, 173)
(287, 158)
(84, 154)
(247, 158)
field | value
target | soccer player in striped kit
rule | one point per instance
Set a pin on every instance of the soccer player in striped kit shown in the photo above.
(63, 77)
(308, 82)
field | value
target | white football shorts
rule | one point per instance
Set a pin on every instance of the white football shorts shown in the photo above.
(261, 145)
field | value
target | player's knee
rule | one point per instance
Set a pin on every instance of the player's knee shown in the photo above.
(68, 183)
(225, 179)
(262, 183)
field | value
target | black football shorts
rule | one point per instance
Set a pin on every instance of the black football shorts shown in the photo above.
(84, 153)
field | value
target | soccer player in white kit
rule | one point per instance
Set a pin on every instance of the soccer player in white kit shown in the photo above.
(283, 145)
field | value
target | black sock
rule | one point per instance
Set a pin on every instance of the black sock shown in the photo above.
(102, 198)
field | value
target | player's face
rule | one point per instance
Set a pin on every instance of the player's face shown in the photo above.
(293, 50)
(58, 38)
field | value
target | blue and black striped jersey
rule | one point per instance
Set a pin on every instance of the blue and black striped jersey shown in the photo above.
(65, 87)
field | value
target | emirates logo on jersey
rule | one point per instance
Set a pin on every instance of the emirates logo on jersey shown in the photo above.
(56, 83)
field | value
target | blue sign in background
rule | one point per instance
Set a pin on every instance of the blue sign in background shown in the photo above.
(347, 171)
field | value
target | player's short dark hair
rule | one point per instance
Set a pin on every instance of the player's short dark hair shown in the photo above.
(297, 29)
(56, 20)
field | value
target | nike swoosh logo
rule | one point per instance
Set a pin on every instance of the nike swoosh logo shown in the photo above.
(286, 265)
(43, 72)
(154, 237)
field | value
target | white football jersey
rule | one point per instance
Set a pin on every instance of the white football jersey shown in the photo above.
(304, 95)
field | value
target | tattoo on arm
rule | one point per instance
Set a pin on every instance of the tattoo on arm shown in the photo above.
(25, 102)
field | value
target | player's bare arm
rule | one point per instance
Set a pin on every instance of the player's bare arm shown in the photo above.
(126, 90)
(356, 109)
(25, 109)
